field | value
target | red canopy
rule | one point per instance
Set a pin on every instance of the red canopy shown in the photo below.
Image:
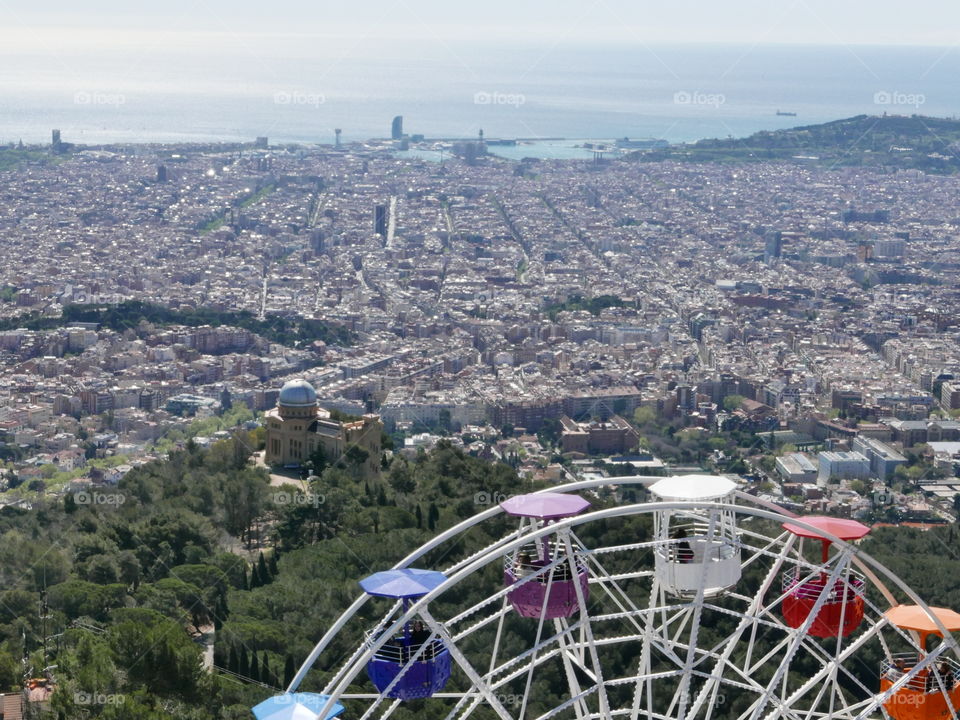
(839, 527)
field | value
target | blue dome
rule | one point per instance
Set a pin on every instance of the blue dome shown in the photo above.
(298, 393)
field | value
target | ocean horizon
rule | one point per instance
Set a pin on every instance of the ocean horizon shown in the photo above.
(300, 94)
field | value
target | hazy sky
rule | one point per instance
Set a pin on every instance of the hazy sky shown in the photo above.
(854, 22)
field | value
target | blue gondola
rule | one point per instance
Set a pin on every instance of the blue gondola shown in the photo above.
(412, 665)
(296, 706)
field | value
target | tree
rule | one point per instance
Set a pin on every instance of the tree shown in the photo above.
(243, 668)
(401, 478)
(144, 641)
(733, 402)
(356, 455)
(10, 673)
(550, 431)
(262, 570)
(644, 415)
(289, 671)
(266, 674)
(319, 460)
(129, 569)
(102, 570)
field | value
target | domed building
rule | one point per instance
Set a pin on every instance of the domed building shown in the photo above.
(298, 426)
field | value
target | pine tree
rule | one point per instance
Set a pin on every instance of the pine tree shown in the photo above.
(220, 612)
(419, 514)
(244, 666)
(233, 664)
(254, 578)
(262, 571)
(266, 674)
(274, 570)
(433, 514)
(255, 668)
(289, 670)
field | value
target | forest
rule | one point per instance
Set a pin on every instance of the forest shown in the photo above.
(292, 332)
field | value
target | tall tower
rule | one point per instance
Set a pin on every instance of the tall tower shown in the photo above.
(773, 245)
(396, 129)
(55, 140)
(337, 132)
(380, 220)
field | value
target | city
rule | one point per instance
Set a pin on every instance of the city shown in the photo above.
(813, 308)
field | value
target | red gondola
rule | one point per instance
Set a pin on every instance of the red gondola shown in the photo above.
(842, 609)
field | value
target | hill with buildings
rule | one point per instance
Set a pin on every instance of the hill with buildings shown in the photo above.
(887, 141)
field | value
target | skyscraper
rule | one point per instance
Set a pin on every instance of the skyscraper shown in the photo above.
(396, 130)
(380, 220)
(55, 139)
(773, 247)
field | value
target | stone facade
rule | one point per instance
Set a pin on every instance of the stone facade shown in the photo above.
(298, 426)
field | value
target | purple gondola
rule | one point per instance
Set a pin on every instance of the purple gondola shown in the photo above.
(553, 592)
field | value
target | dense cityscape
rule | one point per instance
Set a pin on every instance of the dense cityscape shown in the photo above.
(815, 308)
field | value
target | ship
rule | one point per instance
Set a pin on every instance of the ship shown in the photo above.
(781, 113)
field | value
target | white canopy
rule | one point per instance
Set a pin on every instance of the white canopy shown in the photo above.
(693, 487)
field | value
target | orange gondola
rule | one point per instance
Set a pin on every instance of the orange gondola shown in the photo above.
(926, 691)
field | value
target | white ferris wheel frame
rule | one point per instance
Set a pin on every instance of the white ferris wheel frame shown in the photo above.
(583, 655)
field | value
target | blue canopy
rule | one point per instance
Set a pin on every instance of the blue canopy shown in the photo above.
(295, 706)
(404, 583)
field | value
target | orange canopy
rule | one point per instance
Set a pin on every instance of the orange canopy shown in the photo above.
(913, 617)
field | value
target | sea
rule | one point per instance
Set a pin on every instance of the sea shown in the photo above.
(298, 89)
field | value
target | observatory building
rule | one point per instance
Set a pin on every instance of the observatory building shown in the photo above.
(298, 426)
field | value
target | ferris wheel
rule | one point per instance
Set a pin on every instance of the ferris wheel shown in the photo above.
(703, 602)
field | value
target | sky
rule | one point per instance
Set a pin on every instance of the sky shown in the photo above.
(107, 23)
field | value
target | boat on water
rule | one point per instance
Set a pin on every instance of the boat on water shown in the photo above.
(783, 113)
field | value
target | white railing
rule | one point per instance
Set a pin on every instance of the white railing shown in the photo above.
(807, 585)
(927, 680)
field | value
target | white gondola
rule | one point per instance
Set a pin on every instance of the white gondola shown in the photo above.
(697, 547)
